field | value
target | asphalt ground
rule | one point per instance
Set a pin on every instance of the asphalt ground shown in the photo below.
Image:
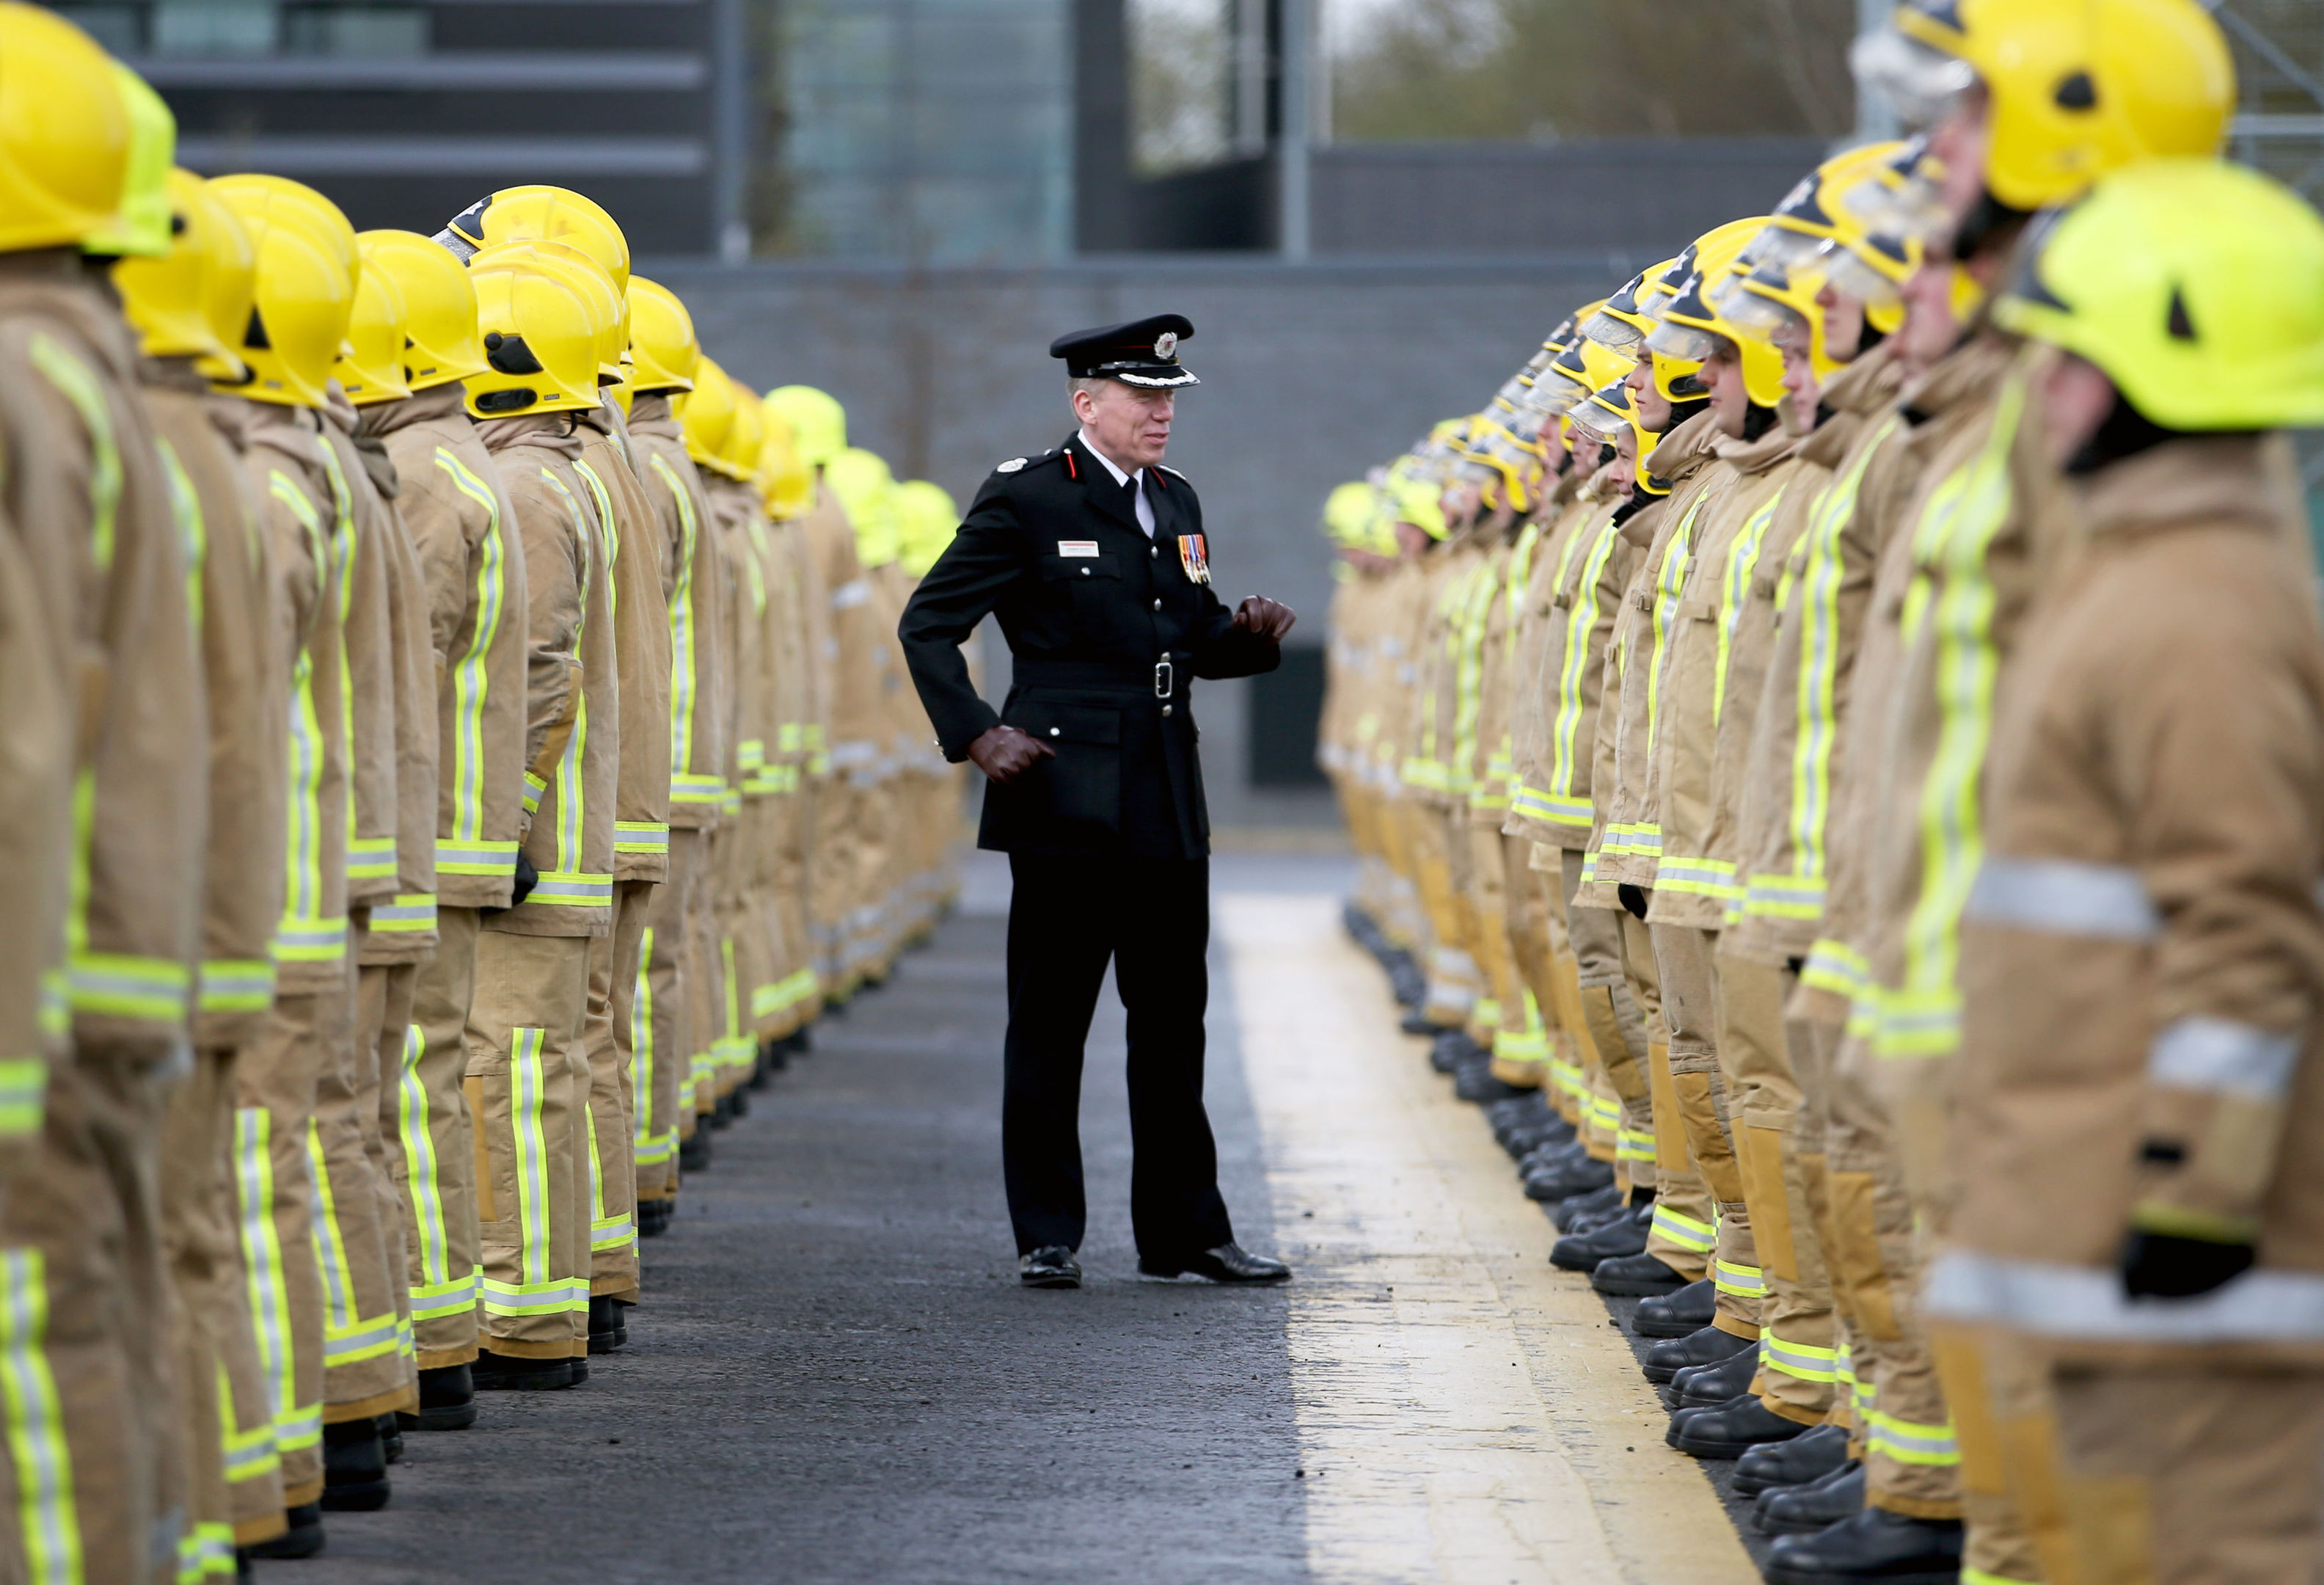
(835, 1377)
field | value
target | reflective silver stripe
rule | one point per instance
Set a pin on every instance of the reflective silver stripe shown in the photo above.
(2264, 1305)
(855, 592)
(2063, 897)
(2218, 1054)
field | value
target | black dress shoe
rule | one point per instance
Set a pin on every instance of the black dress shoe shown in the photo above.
(304, 1539)
(694, 1150)
(1678, 1313)
(448, 1401)
(1873, 1545)
(1551, 1154)
(354, 1469)
(1552, 1129)
(509, 1373)
(390, 1436)
(1803, 1510)
(653, 1217)
(1051, 1267)
(1474, 1082)
(1228, 1262)
(1705, 1385)
(1570, 1177)
(1681, 1415)
(1583, 1251)
(1707, 1347)
(1637, 1275)
(1732, 1430)
(1453, 1048)
(1590, 1221)
(1595, 1205)
(1406, 983)
(1811, 1455)
(609, 1324)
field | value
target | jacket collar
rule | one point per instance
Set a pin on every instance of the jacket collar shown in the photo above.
(1678, 454)
(1097, 483)
(446, 401)
(2199, 480)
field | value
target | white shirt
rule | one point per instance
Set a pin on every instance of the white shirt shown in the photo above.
(1145, 510)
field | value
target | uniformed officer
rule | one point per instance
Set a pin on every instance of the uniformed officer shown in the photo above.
(1093, 558)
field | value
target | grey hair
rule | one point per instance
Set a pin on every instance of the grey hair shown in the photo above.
(1092, 384)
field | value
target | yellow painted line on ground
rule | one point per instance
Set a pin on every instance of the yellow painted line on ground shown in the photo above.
(1466, 1412)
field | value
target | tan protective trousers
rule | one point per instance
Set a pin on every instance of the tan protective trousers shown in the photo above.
(1613, 1030)
(1815, 1050)
(95, 1450)
(789, 1001)
(1912, 1461)
(869, 950)
(235, 1486)
(1684, 1231)
(705, 988)
(1798, 1363)
(832, 863)
(740, 951)
(366, 1357)
(1535, 933)
(610, 1171)
(274, 1099)
(384, 996)
(2184, 1471)
(527, 1084)
(1454, 984)
(662, 1025)
(435, 1161)
(1691, 1019)
(1485, 901)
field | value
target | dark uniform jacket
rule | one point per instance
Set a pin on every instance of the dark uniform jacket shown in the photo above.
(1108, 629)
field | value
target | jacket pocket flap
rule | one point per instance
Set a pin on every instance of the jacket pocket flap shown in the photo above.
(1066, 723)
(1063, 568)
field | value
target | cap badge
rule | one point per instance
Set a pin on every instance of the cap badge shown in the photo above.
(1166, 345)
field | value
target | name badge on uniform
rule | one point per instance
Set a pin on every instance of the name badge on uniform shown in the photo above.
(1076, 547)
(1195, 556)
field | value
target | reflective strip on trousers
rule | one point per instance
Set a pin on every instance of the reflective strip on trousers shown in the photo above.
(206, 1551)
(1742, 1280)
(535, 1293)
(23, 1095)
(439, 1292)
(641, 1046)
(1909, 1442)
(247, 1455)
(1798, 1360)
(47, 1512)
(349, 1338)
(296, 1425)
(615, 1232)
(1684, 1230)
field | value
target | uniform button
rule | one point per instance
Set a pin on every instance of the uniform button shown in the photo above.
(1153, 549)
(1157, 604)
(1055, 730)
(1165, 709)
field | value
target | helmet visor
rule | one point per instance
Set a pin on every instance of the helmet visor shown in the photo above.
(1756, 314)
(1683, 343)
(1781, 245)
(1847, 274)
(1923, 84)
(1614, 332)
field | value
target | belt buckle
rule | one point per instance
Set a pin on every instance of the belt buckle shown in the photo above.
(1165, 678)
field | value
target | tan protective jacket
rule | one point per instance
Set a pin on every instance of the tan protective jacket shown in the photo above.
(402, 930)
(794, 631)
(1937, 408)
(1542, 737)
(609, 465)
(573, 700)
(805, 740)
(693, 576)
(1785, 798)
(82, 481)
(292, 485)
(1484, 626)
(365, 607)
(1498, 676)
(742, 633)
(1730, 535)
(36, 845)
(246, 690)
(471, 562)
(1432, 771)
(1627, 837)
(2142, 963)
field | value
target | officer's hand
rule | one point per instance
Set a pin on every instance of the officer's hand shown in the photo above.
(2161, 1266)
(1270, 619)
(1005, 754)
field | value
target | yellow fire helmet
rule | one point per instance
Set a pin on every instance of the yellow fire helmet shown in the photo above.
(705, 413)
(608, 314)
(1814, 211)
(815, 418)
(2077, 87)
(1610, 410)
(2198, 287)
(1348, 512)
(442, 341)
(867, 489)
(65, 132)
(1778, 304)
(140, 228)
(302, 294)
(1625, 320)
(540, 340)
(745, 449)
(662, 344)
(539, 213)
(1497, 453)
(194, 301)
(370, 369)
(1687, 329)
(787, 484)
(928, 517)
(287, 202)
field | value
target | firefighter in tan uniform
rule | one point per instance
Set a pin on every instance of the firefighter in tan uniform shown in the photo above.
(2142, 950)
(190, 304)
(663, 1038)
(790, 494)
(527, 1078)
(865, 489)
(782, 1004)
(471, 562)
(88, 500)
(930, 825)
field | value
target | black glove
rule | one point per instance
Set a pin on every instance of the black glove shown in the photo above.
(1634, 900)
(2163, 1266)
(527, 878)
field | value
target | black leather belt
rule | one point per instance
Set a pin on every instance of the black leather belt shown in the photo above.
(1160, 680)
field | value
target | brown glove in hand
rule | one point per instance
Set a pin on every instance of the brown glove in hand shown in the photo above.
(1005, 754)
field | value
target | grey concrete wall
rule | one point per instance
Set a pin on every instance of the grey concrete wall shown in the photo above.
(1309, 374)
